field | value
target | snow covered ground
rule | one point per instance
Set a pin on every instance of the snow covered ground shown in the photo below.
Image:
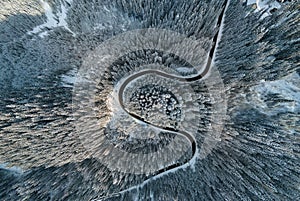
(14, 169)
(68, 79)
(53, 19)
(265, 6)
(274, 97)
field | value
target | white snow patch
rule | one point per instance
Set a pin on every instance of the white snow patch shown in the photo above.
(53, 20)
(288, 88)
(62, 18)
(14, 169)
(69, 79)
(105, 8)
(250, 2)
(264, 6)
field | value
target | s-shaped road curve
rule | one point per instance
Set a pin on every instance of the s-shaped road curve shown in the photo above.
(197, 77)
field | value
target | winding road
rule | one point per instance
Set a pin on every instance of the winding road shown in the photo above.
(197, 77)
